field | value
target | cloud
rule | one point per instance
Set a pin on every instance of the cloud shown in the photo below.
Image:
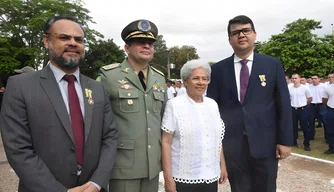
(203, 23)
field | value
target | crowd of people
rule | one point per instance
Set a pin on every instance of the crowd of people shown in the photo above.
(312, 98)
(63, 131)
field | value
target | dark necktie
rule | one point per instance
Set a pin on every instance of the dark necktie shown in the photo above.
(141, 78)
(76, 118)
(244, 78)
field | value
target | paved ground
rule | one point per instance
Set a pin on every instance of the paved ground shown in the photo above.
(295, 175)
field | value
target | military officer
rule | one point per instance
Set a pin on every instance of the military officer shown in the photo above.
(138, 95)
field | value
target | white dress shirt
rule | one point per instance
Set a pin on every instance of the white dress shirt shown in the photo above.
(299, 95)
(329, 94)
(237, 69)
(197, 139)
(181, 91)
(317, 92)
(170, 92)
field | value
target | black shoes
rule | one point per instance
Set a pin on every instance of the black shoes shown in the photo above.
(329, 151)
(307, 148)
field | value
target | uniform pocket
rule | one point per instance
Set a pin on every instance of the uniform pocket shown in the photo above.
(125, 153)
(129, 100)
(158, 99)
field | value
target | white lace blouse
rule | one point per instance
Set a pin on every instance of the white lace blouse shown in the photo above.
(198, 132)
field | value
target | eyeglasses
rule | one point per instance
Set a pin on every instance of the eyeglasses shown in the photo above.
(65, 37)
(245, 31)
(198, 79)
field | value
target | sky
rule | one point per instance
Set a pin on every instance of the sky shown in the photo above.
(203, 23)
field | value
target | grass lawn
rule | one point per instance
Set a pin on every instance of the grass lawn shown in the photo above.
(318, 145)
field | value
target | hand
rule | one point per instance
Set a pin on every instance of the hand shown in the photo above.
(91, 188)
(282, 151)
(170, 185)
(80, 188)
(223, 175)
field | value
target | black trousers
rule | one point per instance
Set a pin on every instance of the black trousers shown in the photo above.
(199, 187)
(249, 174)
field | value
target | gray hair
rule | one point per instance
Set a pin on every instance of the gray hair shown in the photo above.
(189, 67)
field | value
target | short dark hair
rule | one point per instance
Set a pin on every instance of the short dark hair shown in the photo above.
(316, 75)
(240, 19)
(170, 81)
(51, 21)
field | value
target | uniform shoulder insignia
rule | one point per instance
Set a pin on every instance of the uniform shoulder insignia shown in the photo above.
(111, 66)
(156, 70)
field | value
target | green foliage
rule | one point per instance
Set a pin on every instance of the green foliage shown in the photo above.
(177, 55)
(300, 50)
(100, 54)
(22, 22)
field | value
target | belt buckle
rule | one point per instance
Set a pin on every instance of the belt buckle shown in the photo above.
(296, 108)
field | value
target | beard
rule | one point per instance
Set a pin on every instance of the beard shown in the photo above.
(65, 63)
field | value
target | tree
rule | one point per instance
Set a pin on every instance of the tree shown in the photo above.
(100, 54)
(22, 21)
(181, 55)
(300, 50)
(177, 55)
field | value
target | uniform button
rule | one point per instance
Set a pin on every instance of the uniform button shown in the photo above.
(121, 145)
(159, 97)
(129, 94)
(145, 95)
(148, 111)
(149, 146)
(149, 129)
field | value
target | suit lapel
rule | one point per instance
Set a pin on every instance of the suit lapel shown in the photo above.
(131, 75)
(231, 77)
(51, 88)
(86, 87)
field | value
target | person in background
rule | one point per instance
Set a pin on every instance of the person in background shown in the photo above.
(317, 108)
(180, 88)
(328, 100)
(253, 99)
(57, 124)
(300, 96)
(171, 93)
(192, 150)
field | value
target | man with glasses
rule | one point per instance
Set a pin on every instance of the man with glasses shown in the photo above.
(138, 95)
(254, 103)
(57, 125)
(328, 99)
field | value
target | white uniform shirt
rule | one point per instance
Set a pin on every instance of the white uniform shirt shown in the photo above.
(317, 92)
(299, 95)
(237, 69)
(170, 92)
(181, 91)
(197, 139)
(329, 94)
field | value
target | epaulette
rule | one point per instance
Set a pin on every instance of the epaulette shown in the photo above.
(111, 66)
(156, 70)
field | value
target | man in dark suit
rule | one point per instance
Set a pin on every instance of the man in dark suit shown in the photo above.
(254, 103)
(57, 125)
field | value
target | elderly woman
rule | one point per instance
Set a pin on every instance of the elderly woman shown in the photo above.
(192, 151)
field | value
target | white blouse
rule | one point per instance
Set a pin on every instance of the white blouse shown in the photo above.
(198, 132)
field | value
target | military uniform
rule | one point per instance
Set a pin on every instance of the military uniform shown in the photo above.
(138, 99)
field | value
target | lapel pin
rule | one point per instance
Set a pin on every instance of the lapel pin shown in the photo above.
(89, 96)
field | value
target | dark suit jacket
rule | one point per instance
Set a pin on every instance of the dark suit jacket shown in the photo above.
(38, 137)
(265, 113)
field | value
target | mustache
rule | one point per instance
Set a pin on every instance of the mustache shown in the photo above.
(72, 50)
